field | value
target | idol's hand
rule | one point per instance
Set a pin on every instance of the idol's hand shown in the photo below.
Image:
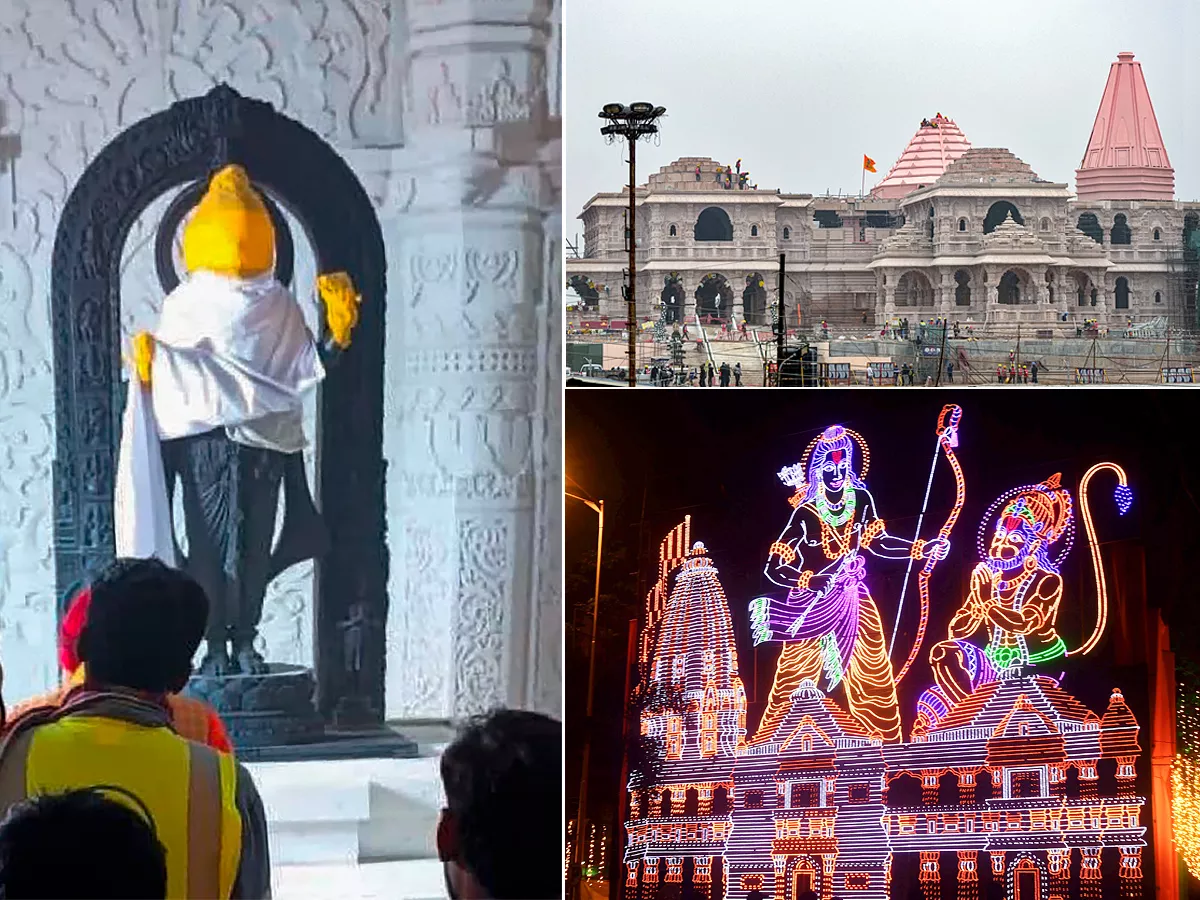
(143, 355)
(341, 306)
(938, 548)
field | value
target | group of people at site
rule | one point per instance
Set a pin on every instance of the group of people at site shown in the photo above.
(117, 785)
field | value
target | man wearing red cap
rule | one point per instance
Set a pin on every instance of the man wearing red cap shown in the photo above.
(191, 718)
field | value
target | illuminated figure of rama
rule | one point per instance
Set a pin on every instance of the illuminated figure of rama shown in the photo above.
(1015, 592)
(828, 622)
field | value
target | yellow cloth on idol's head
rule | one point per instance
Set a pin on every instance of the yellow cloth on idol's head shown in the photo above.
(230, 231)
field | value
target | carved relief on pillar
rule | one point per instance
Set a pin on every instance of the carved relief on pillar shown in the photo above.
(477, 63)
(478, 387)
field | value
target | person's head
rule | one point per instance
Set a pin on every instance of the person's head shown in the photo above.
(144, 623)
(500, 833)
(80, 844)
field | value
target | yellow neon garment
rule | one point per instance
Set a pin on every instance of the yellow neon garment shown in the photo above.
(230, 231)
(189, 790)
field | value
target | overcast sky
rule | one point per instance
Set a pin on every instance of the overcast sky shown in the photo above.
(800, 90)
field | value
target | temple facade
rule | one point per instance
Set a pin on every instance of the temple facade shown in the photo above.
(954, 231)
(1021, 786)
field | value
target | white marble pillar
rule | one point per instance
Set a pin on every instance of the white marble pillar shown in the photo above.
(474, 482)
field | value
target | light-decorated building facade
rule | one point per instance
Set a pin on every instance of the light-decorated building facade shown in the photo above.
(1003, 783)
(954, 231)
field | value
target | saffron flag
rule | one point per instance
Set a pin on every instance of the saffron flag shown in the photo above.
(868, 163)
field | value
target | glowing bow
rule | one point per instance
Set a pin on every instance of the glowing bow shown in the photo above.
(947, 437)
(1124, 497)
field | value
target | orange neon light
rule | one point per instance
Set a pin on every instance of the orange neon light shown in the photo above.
(1097, 563)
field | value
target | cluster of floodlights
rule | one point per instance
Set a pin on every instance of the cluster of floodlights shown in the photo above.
(633, 121)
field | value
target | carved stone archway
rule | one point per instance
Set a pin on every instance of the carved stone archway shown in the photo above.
(299, 171)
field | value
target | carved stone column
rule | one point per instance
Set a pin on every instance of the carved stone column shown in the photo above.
(946, 289)
(475, 618)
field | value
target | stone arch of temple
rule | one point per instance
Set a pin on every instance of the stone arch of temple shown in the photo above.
(1121, 233)
(714, 297)
(713, 224)
(962, 289)
(754, 300)
(1089, 224)
(672, 298)
(1121, 293)
(914, 289)
(587, 289)
(1015, 288)
(998, 212)
(288, 161)
(1084, 288)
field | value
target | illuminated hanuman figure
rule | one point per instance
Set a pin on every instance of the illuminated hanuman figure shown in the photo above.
(1015, 592)
(828, 622)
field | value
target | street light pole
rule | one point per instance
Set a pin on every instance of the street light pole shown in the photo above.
(631, 122)
(632, 238)
(577, 851)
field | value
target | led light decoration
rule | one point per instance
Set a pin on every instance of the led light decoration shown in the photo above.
(828, 621)
(1185, 773)
(998, 785)
(1016, 589)
(671, 553)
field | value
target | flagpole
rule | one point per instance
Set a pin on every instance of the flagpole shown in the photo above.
(862, 187)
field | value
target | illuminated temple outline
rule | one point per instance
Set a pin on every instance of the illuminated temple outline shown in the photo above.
(816, 800)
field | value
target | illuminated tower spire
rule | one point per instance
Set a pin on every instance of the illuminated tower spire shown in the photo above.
(1125, 157)
(695, 656)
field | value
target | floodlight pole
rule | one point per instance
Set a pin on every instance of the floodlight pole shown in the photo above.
(577, 850)
(631, 122)
(781, 325)
(632, 238)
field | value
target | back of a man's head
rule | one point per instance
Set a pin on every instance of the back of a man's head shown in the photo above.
(503, 781)
(144, 623)
(79, 844)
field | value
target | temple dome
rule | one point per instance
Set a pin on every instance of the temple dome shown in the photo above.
(988, 165)
(1125, 157)
(935, 146)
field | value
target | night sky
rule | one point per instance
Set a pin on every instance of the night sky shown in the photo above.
(655, 456)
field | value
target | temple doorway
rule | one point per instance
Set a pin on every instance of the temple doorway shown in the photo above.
(714, 298)
(754, 300)
(1010, 289)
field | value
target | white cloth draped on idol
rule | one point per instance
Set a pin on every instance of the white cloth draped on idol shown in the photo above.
(230, 354)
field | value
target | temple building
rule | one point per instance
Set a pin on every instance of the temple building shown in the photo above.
(968, 233)
(1020, 779)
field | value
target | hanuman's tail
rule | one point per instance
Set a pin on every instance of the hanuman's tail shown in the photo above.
(1124, 498)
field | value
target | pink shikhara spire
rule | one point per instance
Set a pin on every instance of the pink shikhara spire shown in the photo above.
(937, 143)
(1125, 157)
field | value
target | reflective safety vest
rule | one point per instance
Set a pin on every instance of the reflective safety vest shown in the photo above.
(106, 740)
